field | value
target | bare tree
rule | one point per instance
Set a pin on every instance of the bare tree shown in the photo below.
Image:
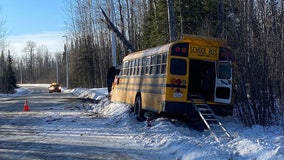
(90, 38)
(258, 72)
(3, 31)
(30, 50)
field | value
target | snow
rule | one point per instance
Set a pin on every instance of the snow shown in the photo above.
(19, 92)
(168, 138)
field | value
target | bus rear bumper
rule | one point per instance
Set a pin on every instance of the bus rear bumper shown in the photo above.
(180, 108)
(187, 109)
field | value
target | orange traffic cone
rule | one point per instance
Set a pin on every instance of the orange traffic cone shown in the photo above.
(26, 107)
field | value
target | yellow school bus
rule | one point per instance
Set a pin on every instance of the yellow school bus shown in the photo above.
(171, 77)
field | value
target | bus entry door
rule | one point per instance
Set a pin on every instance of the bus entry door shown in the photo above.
(223, 83)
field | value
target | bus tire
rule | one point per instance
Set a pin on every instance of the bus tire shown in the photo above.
(138, 109)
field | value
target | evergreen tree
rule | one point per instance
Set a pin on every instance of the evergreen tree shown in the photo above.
(155, 29)
(7, 79)
(192, 17)
(199, 17)
(10, 75)
(2, 72)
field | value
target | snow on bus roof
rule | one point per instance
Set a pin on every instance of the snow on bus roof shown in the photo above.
(148, 52)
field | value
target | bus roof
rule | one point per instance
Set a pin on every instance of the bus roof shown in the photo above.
(191, 39)
(204, 41)
(148, 52)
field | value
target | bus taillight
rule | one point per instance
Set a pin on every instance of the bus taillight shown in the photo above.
(178, 81)
(177, 49)
(180, 49)
(184, 50)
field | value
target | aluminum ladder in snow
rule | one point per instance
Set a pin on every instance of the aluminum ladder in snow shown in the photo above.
(210, 120)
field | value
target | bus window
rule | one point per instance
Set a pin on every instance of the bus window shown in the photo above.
(224, 70)
(178, 66)
(125, 68)
(153, 64)
(134, 66)
(139, 66)
(147, 65)
(164, 63)
(143, 66)
(130, 67)
(159, 62)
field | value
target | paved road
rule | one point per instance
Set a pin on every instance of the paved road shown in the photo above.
(46, 131)
(38, 99)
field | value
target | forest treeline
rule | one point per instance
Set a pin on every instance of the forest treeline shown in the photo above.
(8, 81)
(253, 28)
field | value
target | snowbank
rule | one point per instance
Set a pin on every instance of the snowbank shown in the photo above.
(95, 93)
(177, 140)
(19, 92)
(168, 138)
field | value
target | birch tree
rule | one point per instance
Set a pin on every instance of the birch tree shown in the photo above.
(30, 50)
(258, 61)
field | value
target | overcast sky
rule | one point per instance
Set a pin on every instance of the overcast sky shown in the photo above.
(41, 21)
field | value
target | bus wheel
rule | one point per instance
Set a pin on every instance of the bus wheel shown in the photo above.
(138, 109)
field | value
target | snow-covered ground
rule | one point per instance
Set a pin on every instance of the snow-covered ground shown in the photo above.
(170, 138)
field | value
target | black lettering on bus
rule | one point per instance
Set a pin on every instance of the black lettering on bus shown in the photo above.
(213, 51)
(198, 50)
